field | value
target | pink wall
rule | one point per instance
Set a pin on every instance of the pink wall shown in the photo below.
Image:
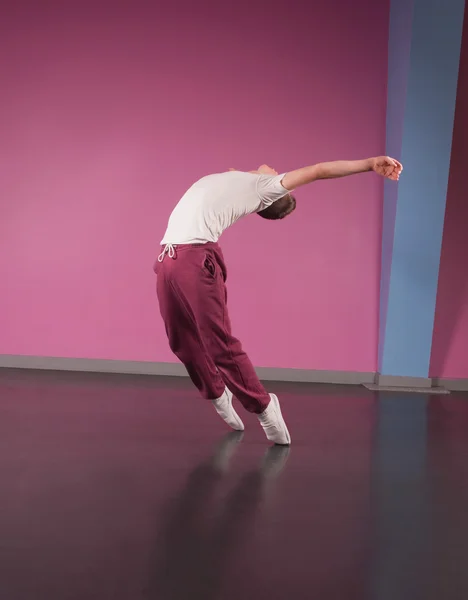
(110, 111)
(450, 341)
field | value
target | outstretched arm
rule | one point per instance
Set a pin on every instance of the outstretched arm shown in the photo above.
(382, 165)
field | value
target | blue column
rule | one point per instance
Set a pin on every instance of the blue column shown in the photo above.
(424, 54)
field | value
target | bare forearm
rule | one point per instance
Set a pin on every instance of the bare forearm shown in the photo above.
(326, 170)
(342, 168)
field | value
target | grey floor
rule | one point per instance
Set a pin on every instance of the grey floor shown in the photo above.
(125, 488)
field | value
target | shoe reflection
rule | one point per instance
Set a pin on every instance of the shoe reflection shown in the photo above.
(200, 535)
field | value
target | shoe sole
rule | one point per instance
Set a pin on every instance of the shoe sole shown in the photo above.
(274, 399)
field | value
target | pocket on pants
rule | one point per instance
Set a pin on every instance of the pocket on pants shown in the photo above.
(209, 266)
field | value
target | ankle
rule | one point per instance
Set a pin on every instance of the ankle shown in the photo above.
(264, 405)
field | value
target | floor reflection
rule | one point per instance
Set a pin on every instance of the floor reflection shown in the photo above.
(400, 499)
(198, 538)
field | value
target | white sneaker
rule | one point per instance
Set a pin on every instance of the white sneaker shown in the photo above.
(226, 411)
(273, 423)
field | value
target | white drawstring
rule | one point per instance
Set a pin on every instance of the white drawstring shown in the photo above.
(169, 249)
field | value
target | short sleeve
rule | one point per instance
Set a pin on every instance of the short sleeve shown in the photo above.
(270, 189)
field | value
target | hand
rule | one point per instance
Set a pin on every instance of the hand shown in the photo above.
(387, 167)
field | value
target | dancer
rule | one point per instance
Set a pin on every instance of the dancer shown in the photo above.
(191, 279)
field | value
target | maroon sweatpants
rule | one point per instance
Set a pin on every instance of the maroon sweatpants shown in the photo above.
(193, 302)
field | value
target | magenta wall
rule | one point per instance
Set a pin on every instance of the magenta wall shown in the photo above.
(450, 341)
(109, 114)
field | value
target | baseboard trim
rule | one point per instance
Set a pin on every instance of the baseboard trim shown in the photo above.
(397, 381)
(311, 376)
(410, 390)
(454, 385)
(49, 363)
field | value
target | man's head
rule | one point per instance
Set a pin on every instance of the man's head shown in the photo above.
(279, 209)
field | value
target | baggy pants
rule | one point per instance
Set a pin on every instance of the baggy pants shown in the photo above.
(191, 289)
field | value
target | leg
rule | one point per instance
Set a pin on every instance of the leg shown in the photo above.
(184, 336)
(234, 365)
(238, 372)
(226, 350)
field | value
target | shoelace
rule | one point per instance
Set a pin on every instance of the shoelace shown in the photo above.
(169, 249)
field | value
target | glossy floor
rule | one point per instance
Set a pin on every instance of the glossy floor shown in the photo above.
(127, 488)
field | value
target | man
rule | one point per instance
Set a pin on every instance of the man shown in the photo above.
(191, 277)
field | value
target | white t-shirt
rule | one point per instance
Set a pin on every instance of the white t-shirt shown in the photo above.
(215, 202)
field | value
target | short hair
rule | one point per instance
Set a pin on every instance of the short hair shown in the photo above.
(279, 209)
